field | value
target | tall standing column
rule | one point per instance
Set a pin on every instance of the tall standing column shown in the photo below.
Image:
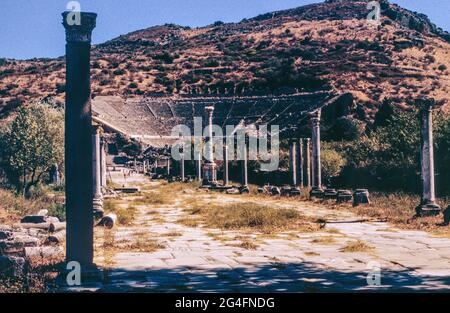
(428, 204)
(103, 163)
(226, 178)
(210, 167)
(182, 167)
(300, 168)
(168, 167)
(293, 163)
(317, 190)
(244, 169)
(199, 166)
(307, 163)
(96, 170)
(78, 140)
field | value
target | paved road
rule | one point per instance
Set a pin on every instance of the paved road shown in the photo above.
(197, 260)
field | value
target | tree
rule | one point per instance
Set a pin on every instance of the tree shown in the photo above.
(31, 144)
(332, 162)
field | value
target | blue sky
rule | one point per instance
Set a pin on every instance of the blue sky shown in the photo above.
(32, 28)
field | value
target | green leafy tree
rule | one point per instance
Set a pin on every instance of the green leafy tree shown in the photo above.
(332, 162)
(31, 144)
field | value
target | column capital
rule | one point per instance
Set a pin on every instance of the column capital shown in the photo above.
(81, 32)
(209, 110)
(315, 117)
(96, 129)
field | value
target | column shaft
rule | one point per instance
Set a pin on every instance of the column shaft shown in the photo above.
(293, 163)
(317, 170)
(427, 157)
(307, 163)
(78, 141)
(244, 170)
(226, 179)
(300, 176)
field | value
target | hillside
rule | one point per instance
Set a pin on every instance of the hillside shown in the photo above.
(328, 46)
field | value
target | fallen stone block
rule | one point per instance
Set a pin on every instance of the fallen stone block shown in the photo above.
(38, 219)
(11, 265)
(275, 191)
(344, 196)
(232, 191)
(330, 193)
(5, 234)
(56, 238)
(127, 190)
(42, 226)
(15, 245)
(43, 252)
(361, 196)
(447, 216)
(244, 189)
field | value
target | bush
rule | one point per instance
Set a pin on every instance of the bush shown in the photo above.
(332, 162)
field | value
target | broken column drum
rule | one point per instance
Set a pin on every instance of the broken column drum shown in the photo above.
(78, 140)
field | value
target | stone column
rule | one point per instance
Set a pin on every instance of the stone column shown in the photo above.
(78, 141)
(226, 179)
(210, 168)
(300, 168)
(168, 167)
(103, 163)
(182, 167)
(56, 177)
(307, 174)
(428, 205)
(244, 169)
(293, 163)
(199, 166)
(96, 169)
(316, 164)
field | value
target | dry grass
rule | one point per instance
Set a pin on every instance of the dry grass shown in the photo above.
(156, 198)
(125, 216)
(250, 215)
(189, 222)
(399, 209)
(325, 240)
(173, 234)
(247, 244)
(356, 246)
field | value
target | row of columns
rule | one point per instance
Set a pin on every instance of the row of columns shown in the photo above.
(300, 162)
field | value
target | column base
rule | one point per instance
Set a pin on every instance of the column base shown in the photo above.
(447, 216)
(428, 209)
(98, 207)
(244, 189)
(210, 174)
(316, 192)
